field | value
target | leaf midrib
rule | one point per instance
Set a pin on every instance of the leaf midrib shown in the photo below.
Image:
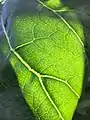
(43, 76)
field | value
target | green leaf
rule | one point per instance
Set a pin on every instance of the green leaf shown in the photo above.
(47, 56)
(53, 4)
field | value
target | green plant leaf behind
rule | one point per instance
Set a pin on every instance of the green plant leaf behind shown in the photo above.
(47, 56)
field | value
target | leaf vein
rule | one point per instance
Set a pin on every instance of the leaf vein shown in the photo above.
(68, 25)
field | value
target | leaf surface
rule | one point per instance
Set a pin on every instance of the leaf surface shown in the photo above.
(47, 56)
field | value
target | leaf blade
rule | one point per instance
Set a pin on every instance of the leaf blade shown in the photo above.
(20, 53)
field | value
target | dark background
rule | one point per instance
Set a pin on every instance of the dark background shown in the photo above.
(12, 102)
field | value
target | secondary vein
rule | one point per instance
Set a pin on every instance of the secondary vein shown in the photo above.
(69, 26)
(63, 81)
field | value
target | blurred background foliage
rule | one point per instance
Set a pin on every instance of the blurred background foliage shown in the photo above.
(12, 103)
